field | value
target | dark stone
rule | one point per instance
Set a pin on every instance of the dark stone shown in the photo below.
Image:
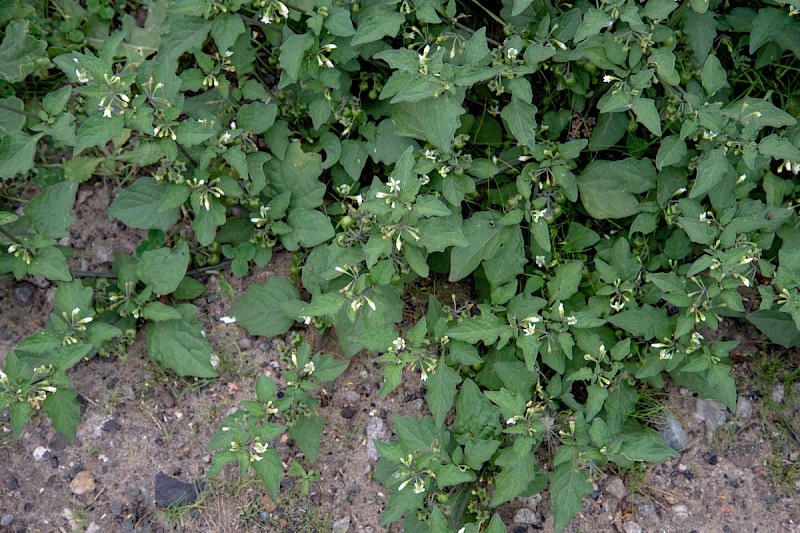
(348, 413)
(59, 443)
(352, 491)
(711, 458)
(521, 529)
(111, 426)
(116, 508)
(54, 462)
(75, 470)
(171, 492)
(726, 528)
(27, 507)
(23, 292)
(12, 483)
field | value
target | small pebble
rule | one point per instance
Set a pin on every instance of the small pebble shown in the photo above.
(6, 520)
(744, 408)
(376, 430)
(245, 343)
(778, 393)
(341, 525)
(615, 487)
(680, 511)
(631, 527)
(41, 453)
(23, 292)
(348, 413)
(526, 516)
(673, 434)
(83, 483)
(12, 482)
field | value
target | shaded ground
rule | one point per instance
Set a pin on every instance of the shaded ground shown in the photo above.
(739, 474)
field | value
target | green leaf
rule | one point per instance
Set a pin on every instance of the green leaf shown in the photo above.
(441, 390)
(520, 6)
(438, 234)
(710, 172)
(63, 409)
(20, 54)
(309, 228)
(777, 326)
(51, 264)
(293, 50)
(566, 281)
(769, 23)
(520, 118)
(296, 173)
(50, 212)
(20, 414)
(518, 472)
(477, 452)
(671, 152)
(97, 131)
(138, 206)
(225, 29)
(594, 20)
(647, 114)
(481, 233)
(307, 434)
(338, 23)
(701, 29)
(269, 470)
(191, 133)
(157, 312)
(257, 117)
(610, 128)
(16, 153)
(646, 321)
(713, 75)
(379, 23)
(163, 269)
(260, 310)
(327, 368)
(10, 121)
(607, 187)
(485, 327)
(68, 356)
(568, 487)
(179, 345)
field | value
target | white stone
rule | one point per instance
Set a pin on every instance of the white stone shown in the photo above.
(40, 453)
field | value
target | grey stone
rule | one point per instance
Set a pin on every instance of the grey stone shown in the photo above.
(615, 487)
(341, 525)
(41, 453)
(104, 252)
(680, 511)
(376, 430)
(171, 492)
(12, 482)
(7, 520)
(710, 412)
(526, 516)
(93, 528)
(23, 292)
(245, 343)
(646, 509)
(631, 527)
(673, 434)
(744, 408)
(778, 393)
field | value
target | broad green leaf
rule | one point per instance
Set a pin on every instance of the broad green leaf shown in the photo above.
(97, 131)
(50, 212)
(293, 50)
(566, 281)
(485, 327)
(225, 29)
(646, 321)
(191, 133)
(20, 414)
(518, 472)
(379, 23)
(20, 54)
(11, 121)
(701, 29)
(298, 174)
(307, 434)
(16, 153)
(269, 470)
(51, 264)
(441, 390)
(710, 172)
(180, 346)
(481, 232)
(610, 128)
(64, 410)
(671, 152)
(339, 23)
(309, 228)
(438, 234)
(777, 326)
(769, 23)
(520, 118)
(327, 368)
(713, 75)
(260, 310)
(156, 312)
(520, 6)
(647, 114)
(138, 206)
(163, 269)
(594, 20)
(257, 117)
(568, 487)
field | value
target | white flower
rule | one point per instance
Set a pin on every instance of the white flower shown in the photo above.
(710, 135)
(403, 484)
(444, 171)
(571, 320)
(617, 305)
(512, 53)
(306, 320)
(529, 329)
(255, 458)
(3, 377)
(399, 344)
(419, 486)
(538, 214)
(309, 368)
(227, 319)
(225, 138)
(539, 261)
(704, 217)
(260, 448)
(282, 9)
(741, 178)
(82, 76)
(394, 185)
(107, 111)
(608, 78)
(398, 243)
(423, 57)
(423, 375)
(512, 421)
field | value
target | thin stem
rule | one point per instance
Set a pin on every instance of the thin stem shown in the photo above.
(7, 234)
(254, 22)
(19, 111)
(187, 155)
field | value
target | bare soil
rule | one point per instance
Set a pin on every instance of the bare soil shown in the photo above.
(738, 475)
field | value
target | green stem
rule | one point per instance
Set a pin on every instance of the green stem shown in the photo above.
(19, 111)
(7, 234)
